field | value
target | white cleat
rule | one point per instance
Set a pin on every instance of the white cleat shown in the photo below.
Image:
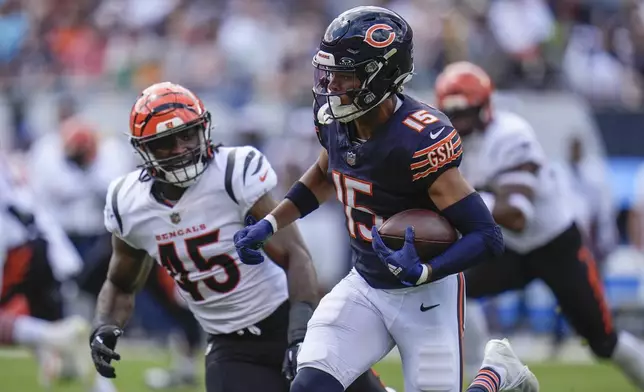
(518, 378)
(388, 389)
(159, 379)
(67, 333)
(64, 351)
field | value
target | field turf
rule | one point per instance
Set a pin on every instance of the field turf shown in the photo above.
(18, 374)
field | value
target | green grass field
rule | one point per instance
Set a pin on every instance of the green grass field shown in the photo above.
(18, 374)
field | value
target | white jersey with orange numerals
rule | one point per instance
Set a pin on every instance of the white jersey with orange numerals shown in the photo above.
(508, 142)
(193, 239)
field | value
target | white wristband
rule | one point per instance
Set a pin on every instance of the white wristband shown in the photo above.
(424, 276)
(271, 219)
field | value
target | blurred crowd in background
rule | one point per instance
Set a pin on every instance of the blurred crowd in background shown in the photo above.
(246, 50)
(70, 70)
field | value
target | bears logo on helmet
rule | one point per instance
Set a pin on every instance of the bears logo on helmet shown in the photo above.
(371, 40)
(365, 55)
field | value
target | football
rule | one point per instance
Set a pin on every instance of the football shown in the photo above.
(433, 233)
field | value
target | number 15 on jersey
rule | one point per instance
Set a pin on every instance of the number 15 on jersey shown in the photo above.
(347, 189)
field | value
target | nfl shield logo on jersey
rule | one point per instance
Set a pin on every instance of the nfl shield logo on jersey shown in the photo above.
(351, 158)
(175, 217)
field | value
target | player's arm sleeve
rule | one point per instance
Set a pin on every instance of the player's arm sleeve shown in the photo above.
(515, 160)
(113, 211)
(512, 150)
(439, 149)
(252, 176)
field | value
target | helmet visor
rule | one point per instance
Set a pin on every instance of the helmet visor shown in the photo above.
(336, 92)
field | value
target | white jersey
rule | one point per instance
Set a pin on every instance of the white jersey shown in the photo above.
(73, 196)
(17, 196)
(193, 239)
(509, 141)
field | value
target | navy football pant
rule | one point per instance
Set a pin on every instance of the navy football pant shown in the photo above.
(569, 269)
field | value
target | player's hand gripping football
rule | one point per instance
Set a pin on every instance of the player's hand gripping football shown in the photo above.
(250, 240)
(403, 263)
(102, 342)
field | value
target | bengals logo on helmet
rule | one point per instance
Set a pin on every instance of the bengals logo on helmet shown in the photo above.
(164, 106)
(371, 40)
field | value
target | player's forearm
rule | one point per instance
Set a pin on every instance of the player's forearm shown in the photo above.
(509, 217)
(285, 213)
(287, 249)
(304, 197)
(512, 211)
(316, 180)
(302, 280)
(482, 239)
(302, 288)
(114, 306)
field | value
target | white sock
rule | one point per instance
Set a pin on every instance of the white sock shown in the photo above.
(476, 337)
(184, 364)
(629, 357)
(182, 361)
(102, 384)
(29, 330)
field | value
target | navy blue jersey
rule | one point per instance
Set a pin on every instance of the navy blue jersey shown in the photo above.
(389, 173)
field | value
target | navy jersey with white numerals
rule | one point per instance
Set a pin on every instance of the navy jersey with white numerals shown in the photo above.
(389, 173)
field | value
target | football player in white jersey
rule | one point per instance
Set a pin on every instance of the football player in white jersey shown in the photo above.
(182, 210)
(506, 163)
(26, 272)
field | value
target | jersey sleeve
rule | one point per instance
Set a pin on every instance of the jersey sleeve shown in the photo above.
(512, 148)
(252, 177)
(439, 149)
(111, 214)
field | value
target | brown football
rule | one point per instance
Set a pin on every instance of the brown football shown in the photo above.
(433, 233)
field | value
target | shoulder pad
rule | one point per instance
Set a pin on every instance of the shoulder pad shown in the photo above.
(512, 144)
(249, 176)
(118, 203)
(112, 215)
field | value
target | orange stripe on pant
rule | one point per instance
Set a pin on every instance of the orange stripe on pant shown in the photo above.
(461, 320)
(585, 256)
(16, 268)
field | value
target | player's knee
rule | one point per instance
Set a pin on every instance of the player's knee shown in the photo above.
(368, 381)
(315, 380)
(604, 346)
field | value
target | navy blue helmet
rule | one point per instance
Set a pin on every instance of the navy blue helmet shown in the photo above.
(366, 54)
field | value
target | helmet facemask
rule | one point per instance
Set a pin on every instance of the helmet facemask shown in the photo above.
(346, 92)
(180, 169)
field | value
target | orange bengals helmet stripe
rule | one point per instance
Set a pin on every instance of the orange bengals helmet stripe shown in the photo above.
(462, 85)
(162, 107)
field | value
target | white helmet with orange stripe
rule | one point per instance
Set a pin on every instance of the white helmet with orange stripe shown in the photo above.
(170, 129)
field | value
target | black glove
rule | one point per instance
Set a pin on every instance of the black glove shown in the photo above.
(102, 342)
(298, 317)
(289, 367)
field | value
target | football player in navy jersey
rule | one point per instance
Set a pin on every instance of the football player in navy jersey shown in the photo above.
(383, 153)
